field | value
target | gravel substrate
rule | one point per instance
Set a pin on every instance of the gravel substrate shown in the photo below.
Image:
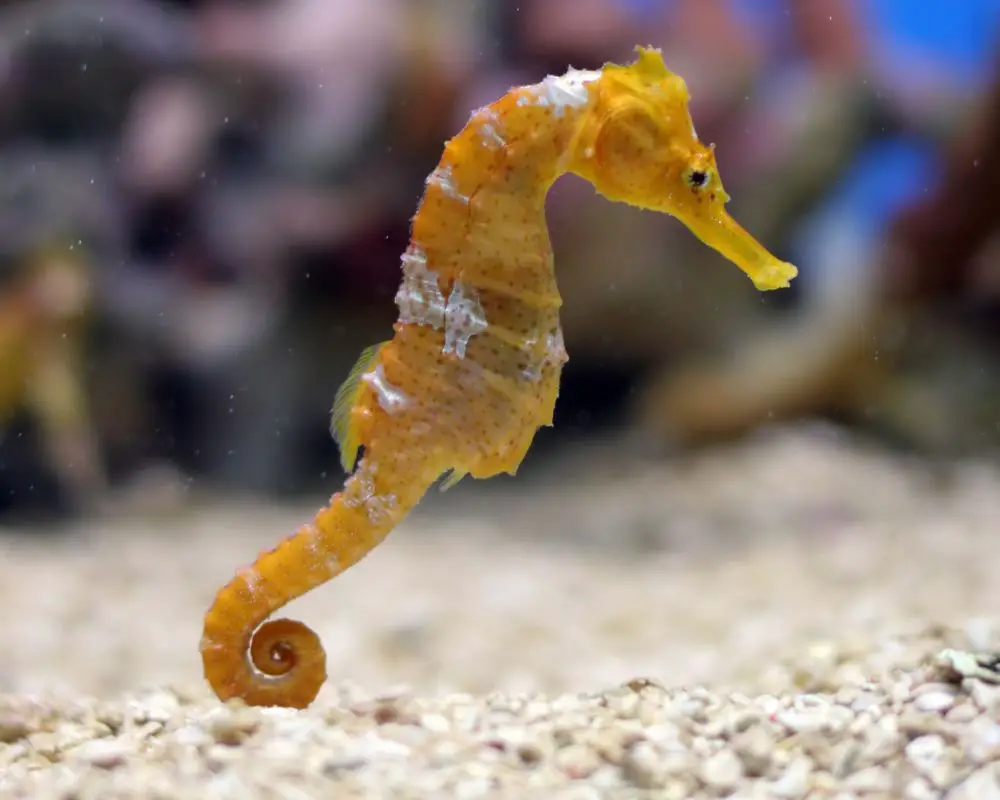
(794, 618)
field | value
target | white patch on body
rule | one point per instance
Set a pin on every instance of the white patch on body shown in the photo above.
(377, 509)
(419, 297)
(555, 348)
(360, 487)
(555, 356)
(252, 578)
(490, 126)
(444, 179)
(361, 492)
(562, 91)
(532, 373)
(208, 643)
(463, 318)
(390, 397)
(319, 552)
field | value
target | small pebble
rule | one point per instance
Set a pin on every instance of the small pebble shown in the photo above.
(754, 747)
(577, 761)
(980, 785)
(722, 772)
(934, 702)
(102, 753)
(234, 727)
(642, 768)
(870, 779)
(13, 727)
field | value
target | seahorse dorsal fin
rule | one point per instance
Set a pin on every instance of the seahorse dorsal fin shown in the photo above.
(345, 433)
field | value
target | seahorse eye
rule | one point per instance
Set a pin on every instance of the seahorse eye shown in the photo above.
(697, 178)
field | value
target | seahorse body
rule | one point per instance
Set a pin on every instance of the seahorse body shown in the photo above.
(473, 369)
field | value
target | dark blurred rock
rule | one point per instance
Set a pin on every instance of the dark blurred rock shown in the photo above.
(73, 66)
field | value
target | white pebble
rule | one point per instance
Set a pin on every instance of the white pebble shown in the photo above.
(722, 771)
(436, 723)
(924, 752)
(103, 753)
(794, 782)
(934, 702)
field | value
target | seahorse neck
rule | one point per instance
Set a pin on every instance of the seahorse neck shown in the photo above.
(565, 101)
(481, 220)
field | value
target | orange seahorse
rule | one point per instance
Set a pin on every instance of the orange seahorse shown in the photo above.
(472, 371)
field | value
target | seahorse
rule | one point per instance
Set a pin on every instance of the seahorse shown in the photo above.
(472, 370)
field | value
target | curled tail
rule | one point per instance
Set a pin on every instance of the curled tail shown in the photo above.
(282, 662)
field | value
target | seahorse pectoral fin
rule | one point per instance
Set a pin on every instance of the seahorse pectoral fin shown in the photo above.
(723, 233)
(343, 427)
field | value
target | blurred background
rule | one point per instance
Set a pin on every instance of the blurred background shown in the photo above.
(202, 209)
(204, 202)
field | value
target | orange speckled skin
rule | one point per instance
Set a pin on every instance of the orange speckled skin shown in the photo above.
(473, 369)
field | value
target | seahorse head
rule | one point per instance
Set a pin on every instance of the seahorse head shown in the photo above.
(638, 146)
